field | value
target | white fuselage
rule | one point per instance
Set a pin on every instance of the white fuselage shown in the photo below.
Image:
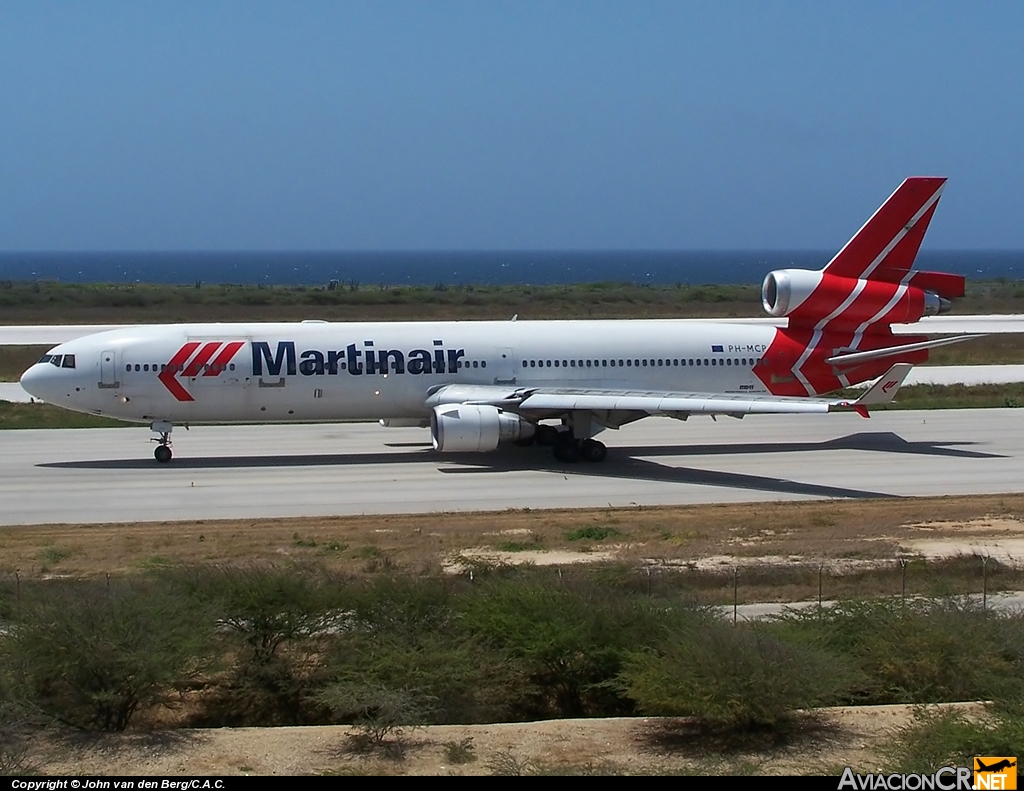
(368, 371)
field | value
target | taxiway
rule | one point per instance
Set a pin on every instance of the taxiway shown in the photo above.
(109, 475)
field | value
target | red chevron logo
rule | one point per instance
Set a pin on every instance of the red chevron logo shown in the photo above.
(187, 366)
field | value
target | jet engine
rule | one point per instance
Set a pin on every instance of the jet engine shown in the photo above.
(808, 297)
(475, 427)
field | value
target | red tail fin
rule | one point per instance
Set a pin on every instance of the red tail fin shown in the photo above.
(885, 247)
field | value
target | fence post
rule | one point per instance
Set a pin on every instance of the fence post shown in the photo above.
(735, 592)
(984, 582)
(903, 584)
(820, 571)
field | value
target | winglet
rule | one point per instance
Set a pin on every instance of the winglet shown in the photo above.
(881, 392)
(884, 390)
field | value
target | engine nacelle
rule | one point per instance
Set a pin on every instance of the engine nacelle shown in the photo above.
(475, 427)
(807, 297)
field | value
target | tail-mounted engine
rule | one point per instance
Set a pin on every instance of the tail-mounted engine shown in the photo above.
(819, 299)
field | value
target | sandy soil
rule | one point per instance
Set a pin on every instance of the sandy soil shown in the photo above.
(845, 737)
(835, 533)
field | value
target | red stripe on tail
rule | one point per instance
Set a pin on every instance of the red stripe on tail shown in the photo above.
(885, 247)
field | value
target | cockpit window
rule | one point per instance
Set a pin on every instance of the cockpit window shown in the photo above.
(69, 361)
(45, 358)
(55, 360)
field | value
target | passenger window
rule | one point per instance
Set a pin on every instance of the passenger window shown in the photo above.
(588, 363)
(483, 363)
(549, 363)
(728, 361)
(138, 367)
(698, 362)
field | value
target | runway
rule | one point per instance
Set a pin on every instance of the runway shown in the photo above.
(108, 475)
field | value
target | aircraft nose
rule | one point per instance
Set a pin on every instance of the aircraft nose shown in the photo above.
(33, 381)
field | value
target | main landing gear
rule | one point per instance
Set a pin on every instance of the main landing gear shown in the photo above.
(162, 451)
(567, 448)
(570, 449)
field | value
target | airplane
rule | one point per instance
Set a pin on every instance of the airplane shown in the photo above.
(478, 384)
(998, 766)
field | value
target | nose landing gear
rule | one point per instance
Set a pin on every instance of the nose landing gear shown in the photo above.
(162, 451)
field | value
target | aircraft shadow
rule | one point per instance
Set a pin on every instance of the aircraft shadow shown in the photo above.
(623, 462)
(880, 442)
(641, 469)
(231, 462)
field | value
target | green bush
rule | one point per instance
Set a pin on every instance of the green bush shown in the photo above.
(919, 651)
(276, 624)
(732, 677)
(946, 737)
(93, 654)
(568, 642)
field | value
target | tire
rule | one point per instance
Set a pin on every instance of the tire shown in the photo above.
(568, 452)
(162, 454)
(593, 451)
(546, 435)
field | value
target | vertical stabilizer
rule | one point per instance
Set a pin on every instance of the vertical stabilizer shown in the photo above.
(885, 247)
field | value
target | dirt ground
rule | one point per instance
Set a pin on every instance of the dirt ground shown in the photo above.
(850, 736)
(837, 534)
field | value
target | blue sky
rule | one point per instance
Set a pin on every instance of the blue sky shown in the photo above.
(503, 125)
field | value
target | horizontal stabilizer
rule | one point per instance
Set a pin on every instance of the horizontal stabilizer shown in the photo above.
(857, 358)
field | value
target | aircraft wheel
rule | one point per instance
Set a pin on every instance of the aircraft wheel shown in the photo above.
(567, 451)
(592, 450)
(162, 454)
(546, 435)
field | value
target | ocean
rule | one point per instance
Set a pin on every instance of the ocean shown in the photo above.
(462, 267)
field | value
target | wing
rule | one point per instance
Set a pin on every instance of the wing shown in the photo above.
(613, 408)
